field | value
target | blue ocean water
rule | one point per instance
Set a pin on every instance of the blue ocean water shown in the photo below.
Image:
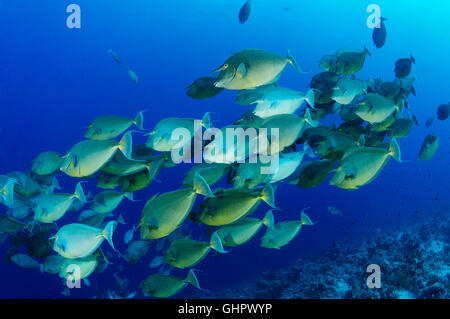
(55, 80)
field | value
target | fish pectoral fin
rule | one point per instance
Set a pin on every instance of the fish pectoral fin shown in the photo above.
(241, 71)
(165, 137)
(274, 104)
(62, 245)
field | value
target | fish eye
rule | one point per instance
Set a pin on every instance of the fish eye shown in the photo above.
(349, 177)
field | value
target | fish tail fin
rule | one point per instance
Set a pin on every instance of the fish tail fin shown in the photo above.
(268, 195)
(79, 193)
(108, 233)
(206, 121)
(412, 58)
(307, 150)
(129, 196)
(362, 140)
(139, 120)
(367, 52)
(395, 151)
(309, 119)
(310, 98)
(216, 243)
(305, 220)
(120, 220)
(126, 144)
(55, 184)
(192, 279)
(268, 220)
(292, 61)
(7, 192)
(201, 186)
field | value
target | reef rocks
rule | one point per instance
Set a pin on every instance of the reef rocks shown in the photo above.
(415, 263)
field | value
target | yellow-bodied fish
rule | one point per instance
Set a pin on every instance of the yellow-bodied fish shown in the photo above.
(401, 127)
(51, 207)
(138, 181)
(108, 181)
(164, 286)
(249, 175)
(375, 108)
(79, 241)
(212, 173)
(107, 201)
(120, 165)
(164, 213)
(360, 165)
(77, 269)
(251, 68)
(89, 156)
(283, 233)
(109, 127)
(289, 126)
(185, 253)
(46, 163)
(243, 230)
(25, 186)
(163, 137)
(288, 164)
(274, 100)
(230, 205)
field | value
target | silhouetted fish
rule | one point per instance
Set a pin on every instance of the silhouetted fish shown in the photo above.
(245, 12)
(403, 67)
(379, 34)
(443, 112)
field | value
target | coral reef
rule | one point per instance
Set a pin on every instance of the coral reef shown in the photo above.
(414, 263)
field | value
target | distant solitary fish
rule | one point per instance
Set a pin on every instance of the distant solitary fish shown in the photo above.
(379, 34)
(115, 56)
(429, 122)
(133, 76)
(334, 211)
(129, 235)
(245, 12)
(428, 148)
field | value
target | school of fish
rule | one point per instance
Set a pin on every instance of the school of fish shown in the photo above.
(371, 116)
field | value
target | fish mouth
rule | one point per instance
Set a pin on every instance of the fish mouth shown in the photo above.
(219, 84)
(224, 82)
